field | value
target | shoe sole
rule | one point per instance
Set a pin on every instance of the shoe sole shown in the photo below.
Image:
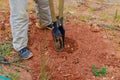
(49, 28)
(30, 56)
(37, 25)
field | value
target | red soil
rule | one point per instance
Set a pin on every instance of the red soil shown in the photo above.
(83, 48)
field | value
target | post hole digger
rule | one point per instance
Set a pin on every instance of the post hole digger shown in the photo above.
(58, 32)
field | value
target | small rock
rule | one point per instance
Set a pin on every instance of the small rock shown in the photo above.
(72, 49)
(66, 75)
(59, 68)
(105, 37)
(117, 55)
(68, 46)
(95, 29)
(112, 78)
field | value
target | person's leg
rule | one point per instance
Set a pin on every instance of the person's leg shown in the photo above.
(19, 23)
(43, 13)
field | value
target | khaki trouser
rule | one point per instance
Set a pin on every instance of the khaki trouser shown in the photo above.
(19, 20)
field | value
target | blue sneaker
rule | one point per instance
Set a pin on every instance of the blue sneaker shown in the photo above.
(25, 53)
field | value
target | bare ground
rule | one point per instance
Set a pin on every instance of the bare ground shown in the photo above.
(85, 44)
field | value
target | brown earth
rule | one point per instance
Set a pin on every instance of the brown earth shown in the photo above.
(84, 45)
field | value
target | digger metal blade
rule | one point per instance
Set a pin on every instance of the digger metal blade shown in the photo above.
(61, 27)
(57, 37)
(58, 42)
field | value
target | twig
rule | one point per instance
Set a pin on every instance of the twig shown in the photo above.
(109, 26)
(22, 66)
